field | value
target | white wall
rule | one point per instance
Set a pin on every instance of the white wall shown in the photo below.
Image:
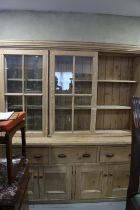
(28, 25)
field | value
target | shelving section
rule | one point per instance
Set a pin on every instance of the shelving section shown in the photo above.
(116, 81)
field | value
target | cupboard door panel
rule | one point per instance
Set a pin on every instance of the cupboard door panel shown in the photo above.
(56, 183)
(33, 189)
(89, 181)
(118, 180)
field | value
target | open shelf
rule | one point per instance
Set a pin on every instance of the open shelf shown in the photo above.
(112, 107)
(117, 81)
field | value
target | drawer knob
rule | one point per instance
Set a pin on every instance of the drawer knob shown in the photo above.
(109, 155)
(110, 174)
(62, 156)
(38, 156)
(105, 175)
(86, 155)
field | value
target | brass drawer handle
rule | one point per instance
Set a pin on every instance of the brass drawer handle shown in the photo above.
(62, 156)
(86, 155)
(110, 155)
(38, 156)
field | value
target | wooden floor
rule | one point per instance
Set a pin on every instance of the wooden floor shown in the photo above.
(81, 206)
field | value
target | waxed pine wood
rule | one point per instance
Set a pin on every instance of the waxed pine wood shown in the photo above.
(115, 85)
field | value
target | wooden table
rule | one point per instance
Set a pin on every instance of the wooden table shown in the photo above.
(9, 128)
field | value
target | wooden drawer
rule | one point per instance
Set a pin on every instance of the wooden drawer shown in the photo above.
(73, 154)
(34, 154)
(114, 154)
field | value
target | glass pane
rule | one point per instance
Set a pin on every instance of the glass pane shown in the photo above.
(13, 70)
(82, 101)
(83, 87)
(33, 73)
(34, 112)
(82, 119)
(14, 103)
(63, 102)
(63, 74)
(83, 68)
(63, 120)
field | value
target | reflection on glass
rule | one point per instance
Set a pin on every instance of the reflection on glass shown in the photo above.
(63, 120)
(33, 106)
(63, 102)
(33, 73)
(83, 68)
(14, 103)
(82, 120)
(63, 74)
(13, 70)
(82, 101)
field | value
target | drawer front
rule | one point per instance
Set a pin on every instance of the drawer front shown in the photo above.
(114, 154)
(34, 154)
(73, 154)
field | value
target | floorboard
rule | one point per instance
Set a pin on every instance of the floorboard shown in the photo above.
(81, 206)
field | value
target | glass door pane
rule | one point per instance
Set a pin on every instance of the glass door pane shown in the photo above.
(83, 75)
(13, 72)
(63, 113)
(33, 106)
(82, 119)
(33, 73)
(63, 74)
(14, 103)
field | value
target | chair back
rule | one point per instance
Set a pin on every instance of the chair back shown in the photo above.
(133, 186)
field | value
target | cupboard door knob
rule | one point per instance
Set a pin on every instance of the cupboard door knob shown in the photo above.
(62, 156)
(40, 177)
(105, 175)
(38, 156)
(109, 155)
(86, 155)
(35, 177)
(110, 174)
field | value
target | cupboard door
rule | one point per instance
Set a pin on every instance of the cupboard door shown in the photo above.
(56, 182)
(33, 186)
(118, 177)
(26, 80)
(73, 91)
(89, 181)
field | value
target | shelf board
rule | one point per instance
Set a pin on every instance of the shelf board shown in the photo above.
(113, 132)
(75, 107)
(118, 81)
(15, 79)
(81, 80)
(112, 107)
(63, 107)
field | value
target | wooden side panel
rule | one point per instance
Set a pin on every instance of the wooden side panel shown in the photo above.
(136, 88)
